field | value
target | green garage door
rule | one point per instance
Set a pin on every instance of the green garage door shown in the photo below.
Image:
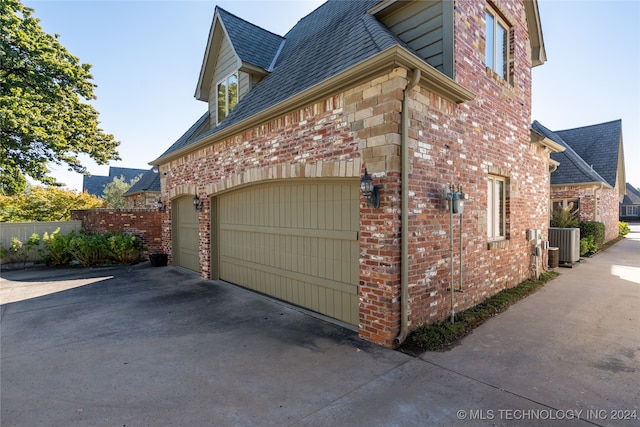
(185, 234)
(297, 242)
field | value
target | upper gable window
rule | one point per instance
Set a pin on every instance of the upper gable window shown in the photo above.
(227, 96)
(497, 44)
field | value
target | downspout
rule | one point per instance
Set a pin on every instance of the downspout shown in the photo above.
(404, 209)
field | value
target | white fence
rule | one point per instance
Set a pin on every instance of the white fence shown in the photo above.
(23, 231)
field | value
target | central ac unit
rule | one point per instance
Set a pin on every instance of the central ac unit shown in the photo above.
(568, 242)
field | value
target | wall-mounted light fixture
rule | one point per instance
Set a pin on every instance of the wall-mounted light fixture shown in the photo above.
(370, 191)
(197, 203)
(155, 169)
(160, 206)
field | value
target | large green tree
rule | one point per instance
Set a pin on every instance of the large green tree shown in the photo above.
(45, 114)
(45, 204)
(113, 193)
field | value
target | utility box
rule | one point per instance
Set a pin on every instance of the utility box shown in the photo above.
(567, 240)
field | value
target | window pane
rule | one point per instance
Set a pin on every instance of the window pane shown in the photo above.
(501, 49)
(490, 209)
(500, 205)
(490, 44)
(233, 91)
(222, 101)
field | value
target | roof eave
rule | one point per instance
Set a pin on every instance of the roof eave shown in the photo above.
(544, 142)
(601, 184)
(395, 56)
(536, 40)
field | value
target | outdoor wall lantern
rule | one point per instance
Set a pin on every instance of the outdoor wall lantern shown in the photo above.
(197, 203)
(160, 206)
(369, 191)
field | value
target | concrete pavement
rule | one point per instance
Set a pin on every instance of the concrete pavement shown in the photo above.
(142, 346)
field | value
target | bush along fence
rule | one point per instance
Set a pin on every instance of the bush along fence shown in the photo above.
(78, 248)
(18, 239)
(21, 243)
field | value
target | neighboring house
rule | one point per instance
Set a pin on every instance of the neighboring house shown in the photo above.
(418, 94)
(95, 184)
(590, 173)
(630, 206)
(145, 193)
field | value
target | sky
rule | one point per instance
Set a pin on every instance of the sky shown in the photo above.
(146, 58)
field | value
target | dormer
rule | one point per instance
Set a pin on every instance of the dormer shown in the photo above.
(238, 55)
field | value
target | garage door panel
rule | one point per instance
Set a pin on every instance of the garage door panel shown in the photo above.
(297, 242)
(186, 234)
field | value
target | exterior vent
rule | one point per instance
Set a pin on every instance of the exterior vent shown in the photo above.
(568, 241)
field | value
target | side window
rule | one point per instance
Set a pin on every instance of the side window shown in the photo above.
(227, 96)
(496, 207)
(497, 44)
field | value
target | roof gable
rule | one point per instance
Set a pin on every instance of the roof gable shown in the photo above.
(599, 146)
(149, 182)
(572, 168)
(254, 48)
(632, 197)
(95, 184)
(334, 46)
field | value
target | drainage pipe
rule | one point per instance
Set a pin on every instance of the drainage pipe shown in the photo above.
(461, 257)
(404, 210)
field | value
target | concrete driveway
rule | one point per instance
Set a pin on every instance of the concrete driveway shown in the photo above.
(143, 346)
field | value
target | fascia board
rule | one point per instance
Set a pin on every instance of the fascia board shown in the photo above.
(584, 184)
(202, 88)
(544, 142)
(536, 39)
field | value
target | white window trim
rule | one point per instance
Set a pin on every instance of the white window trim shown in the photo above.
(226, 96)
(493, 223)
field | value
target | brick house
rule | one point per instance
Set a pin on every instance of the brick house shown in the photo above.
(145, 193)
(630, 205)
(417, 95)
(95, 184)
(590, 172)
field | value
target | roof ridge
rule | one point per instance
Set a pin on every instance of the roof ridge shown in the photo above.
(248, 22)
(590, 126)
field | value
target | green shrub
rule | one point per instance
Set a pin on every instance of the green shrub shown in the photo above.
(125, 248)
(587, 245)
(89, 249)
(623, 228)
(593, 228)
(92, 249)
(57, 248)
(564, 217)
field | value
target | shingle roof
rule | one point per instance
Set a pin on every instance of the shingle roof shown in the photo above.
(149, 182)
(597, 145)
(572, 169)
(253, 44)
(95, 184)
(334, 37)
(632, 197)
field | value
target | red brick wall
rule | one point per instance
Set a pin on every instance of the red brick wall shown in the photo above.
(341, 135)
(596, 204)
(140, 222)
